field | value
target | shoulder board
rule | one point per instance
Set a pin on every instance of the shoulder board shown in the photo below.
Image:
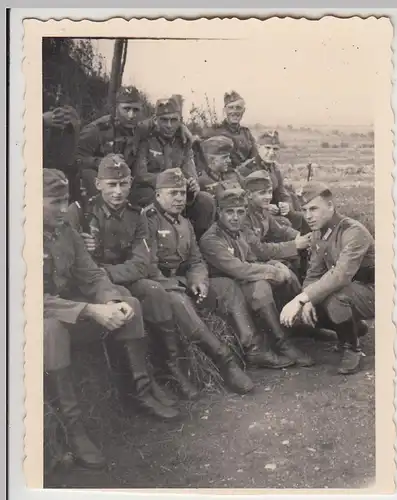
(134, 208)
(103, 123)
(149, 211)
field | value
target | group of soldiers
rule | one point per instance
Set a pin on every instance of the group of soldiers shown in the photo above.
(166, 224)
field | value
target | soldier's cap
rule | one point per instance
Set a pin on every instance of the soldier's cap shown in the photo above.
(171, 178)
(55, 183)
(169, 105)
(270, 137)
(230, 198)
(311, 190)
(128, 94)
(231, 96)
(113, 166)
(217, 145)
(258, 180)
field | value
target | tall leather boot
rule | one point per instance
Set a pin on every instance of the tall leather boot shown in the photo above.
(257, 349)
(349, 345)
(271, 316)
(170, 339)
(84, 450)
(233, 376)
(136, 351)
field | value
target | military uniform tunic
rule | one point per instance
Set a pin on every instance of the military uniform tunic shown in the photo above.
(341, 273)
(123, 251)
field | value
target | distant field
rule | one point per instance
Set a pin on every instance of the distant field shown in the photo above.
(349, 169)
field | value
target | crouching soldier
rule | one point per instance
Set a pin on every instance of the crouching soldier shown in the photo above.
(183, 273)
(268, 238)
(116, 234)
(228, 253)
(339, 288)
(77, 292)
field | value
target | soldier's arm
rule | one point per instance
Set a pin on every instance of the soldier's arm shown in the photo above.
(265, 250)
(67, 311)
(92, 281)
(137, 265)
(140, 166)
(216, 252)
(355, 243)
(73, 217)
(254, 153)
(281, 193)
(88, 153)
(197, 270)
(188, 166)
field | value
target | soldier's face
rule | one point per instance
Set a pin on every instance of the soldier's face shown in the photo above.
(219, 163)
(234, 112)
(318, 212)
(172, 200)
(129, 113)
(54, 211)
(233, 218)
(114, 191)
(262, 198)
(270, 152)
(168, 124)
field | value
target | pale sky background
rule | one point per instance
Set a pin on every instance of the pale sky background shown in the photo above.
(289, 71)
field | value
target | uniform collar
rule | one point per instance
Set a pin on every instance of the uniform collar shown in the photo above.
(330, 225)
(170, 218)
(109, 211)
(235, 129)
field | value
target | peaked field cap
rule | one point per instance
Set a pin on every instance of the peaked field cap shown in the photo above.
(169, 105)
(258, 180)
(55, 183)
(231, 96)
(113, 166)
(128, 94)
(171, 178)
(233, 197)
(313, 189)
(217, 145)
(270, 137)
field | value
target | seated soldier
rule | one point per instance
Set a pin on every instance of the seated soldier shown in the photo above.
(339, 288)
(115, 233)
(268, 238)
(217, 169)
(225, 248)
(183, 273)
(77, 292)
(164, 146)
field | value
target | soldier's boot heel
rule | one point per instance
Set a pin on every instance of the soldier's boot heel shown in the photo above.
(235, 378)
(262, 356)
(351, 360)
(161, 396)
(85, 452)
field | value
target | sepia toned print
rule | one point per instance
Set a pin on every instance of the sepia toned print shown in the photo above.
(212, 242)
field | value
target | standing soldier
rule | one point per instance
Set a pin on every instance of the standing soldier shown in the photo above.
(183, 272)
(102, 137)
(228, 253)
(116, 236)
(164, 145)
(340, 283)
(77, 291)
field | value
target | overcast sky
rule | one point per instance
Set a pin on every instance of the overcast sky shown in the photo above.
(288, 71)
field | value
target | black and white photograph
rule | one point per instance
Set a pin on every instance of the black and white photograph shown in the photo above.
(208, 255)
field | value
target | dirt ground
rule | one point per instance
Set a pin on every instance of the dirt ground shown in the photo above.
(301, 428)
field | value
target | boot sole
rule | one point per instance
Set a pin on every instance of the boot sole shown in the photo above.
(272, 367)
(87, 465)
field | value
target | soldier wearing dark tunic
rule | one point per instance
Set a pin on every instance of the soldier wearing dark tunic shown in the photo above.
(118, 241)
(77, 294)
(228, 253)
(339, 288)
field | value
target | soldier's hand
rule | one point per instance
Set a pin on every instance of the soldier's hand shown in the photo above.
(273, 209)
(284, 270)
(107, 315)
(193, 186)
(89, 242)
(200, 290)
(303, 242)
(289, 313)
(309, 315)
(284, 208)
(127, 310)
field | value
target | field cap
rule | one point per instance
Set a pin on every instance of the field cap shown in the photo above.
(55, 183)
(311, 190)
(169, 105)
(230, 198)
(270, 138)
(232, 96)
(113, 166)
(171, 178)
(128, 94)
(217, 145)
(257, 181)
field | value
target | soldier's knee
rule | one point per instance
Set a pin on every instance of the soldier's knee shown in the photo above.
(337, 307)
(56, 345)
